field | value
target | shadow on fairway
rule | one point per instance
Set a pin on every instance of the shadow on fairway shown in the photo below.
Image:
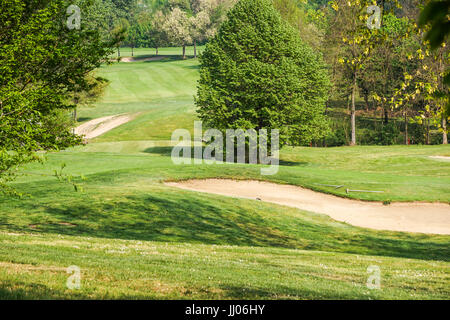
(171, 215)
(17, 290)
(167, 151)
(82, 119)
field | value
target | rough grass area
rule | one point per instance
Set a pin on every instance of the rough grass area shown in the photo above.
(34, 267)
(134, 237)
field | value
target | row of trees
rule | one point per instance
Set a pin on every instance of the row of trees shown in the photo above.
(170, 23)
(392, 68)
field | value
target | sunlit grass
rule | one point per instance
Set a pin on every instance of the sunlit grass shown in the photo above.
(134, 237)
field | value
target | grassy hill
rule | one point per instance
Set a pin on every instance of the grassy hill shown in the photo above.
(134, 237)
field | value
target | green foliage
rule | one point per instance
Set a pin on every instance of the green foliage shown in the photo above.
(436, 13)
(257, 73)
(300, 19)
(436, 16)
(42, 63)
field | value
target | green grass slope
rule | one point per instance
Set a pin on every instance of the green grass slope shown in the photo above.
(134, 237)
(112, 269)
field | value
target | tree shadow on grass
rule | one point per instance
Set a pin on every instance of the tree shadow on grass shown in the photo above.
(282, 292)
(174, 216)
(164, 58)
(193, 67)
(82, 119)
(167, 151)
(162, 218)
(17, 290)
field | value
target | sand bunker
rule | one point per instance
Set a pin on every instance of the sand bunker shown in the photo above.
(132, 59)
(99, 126)
(445, 158)
(410, 217)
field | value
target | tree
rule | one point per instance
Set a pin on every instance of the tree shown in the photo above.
(42, 64)
(383, 70)
(355, 40)
(177, 29)
(199, 28)
(132, 36)
(157, 34)
(207, 17)
(425, 85)
(120, 32)
(435, 15)
(257, 73)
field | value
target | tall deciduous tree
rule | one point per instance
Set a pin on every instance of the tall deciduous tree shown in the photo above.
(157, 34)
(199, 28)
(42, 64)
(257, 73)
(355, 41)
(207, 15)
(177, 28)
(424, 85)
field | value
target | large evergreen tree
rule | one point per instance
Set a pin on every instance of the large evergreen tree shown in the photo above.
(257, 73)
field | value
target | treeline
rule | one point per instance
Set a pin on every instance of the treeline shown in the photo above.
(387, 81)
(387, 75)
(157, 23)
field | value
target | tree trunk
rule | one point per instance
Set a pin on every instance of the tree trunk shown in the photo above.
(195, 49)
(184, 51)
(156, 50)
(353, 113)
(118, 52)
(74, 119)
(444, 128)
(132, 51)
(441, 88)
(366, 99)
(406, 128)
(428, 132)
(386, 116)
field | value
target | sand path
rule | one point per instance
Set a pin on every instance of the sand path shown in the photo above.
(99, 126)
(411, 217)
(133, 59)
(440, 158)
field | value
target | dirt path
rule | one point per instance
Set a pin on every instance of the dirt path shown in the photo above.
(411, 217)
(99, 126)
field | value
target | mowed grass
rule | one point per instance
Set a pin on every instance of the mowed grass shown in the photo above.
(134, 237)
(202, 246)
(159, 93)
(121, 205)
